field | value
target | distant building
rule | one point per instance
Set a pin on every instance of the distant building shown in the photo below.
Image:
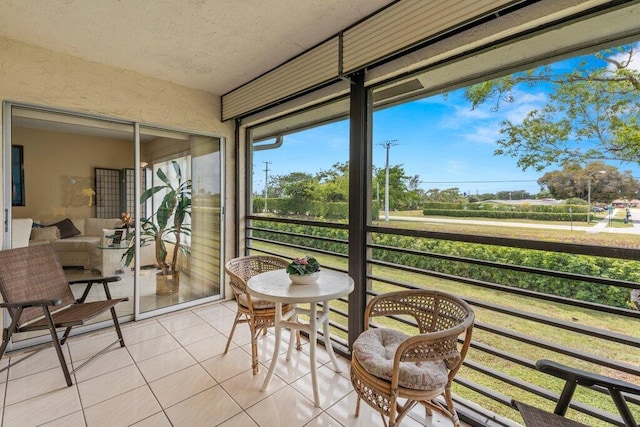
(620, 203)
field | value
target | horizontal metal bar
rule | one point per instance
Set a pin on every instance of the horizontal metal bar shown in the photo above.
(571, 248)
(322, 224)
(508, 289)
(537, 342)
(585, 330)
(307, 236)
(512, 267)
(483, 390)
(485, 348)
(302, 248)
(616, 253)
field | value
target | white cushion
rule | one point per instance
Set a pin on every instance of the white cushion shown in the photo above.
(375, 349)
(20, 232)
(94, 226)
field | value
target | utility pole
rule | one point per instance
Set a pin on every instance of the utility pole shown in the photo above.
(590, 177)
(387, 145)
(266, 184)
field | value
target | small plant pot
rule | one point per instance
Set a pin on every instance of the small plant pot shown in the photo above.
(168, 284)
(304, 279)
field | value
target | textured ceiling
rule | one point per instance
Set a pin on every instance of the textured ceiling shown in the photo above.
(213, 45)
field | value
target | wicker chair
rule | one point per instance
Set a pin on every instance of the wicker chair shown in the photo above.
(418, 368)
(37, 297)
(258, 313)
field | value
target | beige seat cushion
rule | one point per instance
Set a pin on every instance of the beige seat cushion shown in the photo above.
(257, 302)
(375, 349)
(44, 234)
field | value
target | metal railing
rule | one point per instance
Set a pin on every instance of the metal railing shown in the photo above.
(515, 326)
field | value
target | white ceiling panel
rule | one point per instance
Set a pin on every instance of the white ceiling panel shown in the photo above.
(213, 45)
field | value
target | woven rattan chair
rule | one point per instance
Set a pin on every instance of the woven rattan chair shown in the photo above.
(388, 364)
(259, 314)
(38, 297)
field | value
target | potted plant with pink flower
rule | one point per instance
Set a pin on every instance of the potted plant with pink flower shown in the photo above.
(304, 270)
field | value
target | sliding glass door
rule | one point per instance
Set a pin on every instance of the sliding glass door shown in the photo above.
(180, 219)
(97, 171)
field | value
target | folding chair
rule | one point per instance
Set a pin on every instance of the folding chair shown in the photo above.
(534, 417)
(37, 296)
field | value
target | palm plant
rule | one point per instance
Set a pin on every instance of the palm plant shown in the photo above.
(167, 224)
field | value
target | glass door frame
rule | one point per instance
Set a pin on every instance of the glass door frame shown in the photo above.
(138, 314)
(7, 108)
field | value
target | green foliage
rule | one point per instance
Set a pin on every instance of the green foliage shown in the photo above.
(326, 210)
(561, 212)
(449, 195)
(591, 112)
(300, 236)
(605, 181)
(326, 194)
(578, 264)
(304, 265)
(167, 224)
(501, 214)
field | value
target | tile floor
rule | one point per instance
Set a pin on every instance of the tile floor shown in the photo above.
(173, 373)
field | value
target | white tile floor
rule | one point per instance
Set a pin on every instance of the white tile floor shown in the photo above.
(173, 373)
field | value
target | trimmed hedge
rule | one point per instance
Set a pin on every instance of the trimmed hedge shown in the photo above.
(521, 207)
(541, 216)
(312, 208)
(506, 211)
(579, 264)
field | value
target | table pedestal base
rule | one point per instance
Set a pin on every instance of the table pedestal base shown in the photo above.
(312, 330)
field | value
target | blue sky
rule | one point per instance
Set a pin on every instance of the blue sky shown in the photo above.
(439, 138)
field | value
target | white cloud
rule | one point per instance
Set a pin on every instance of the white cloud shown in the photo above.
(465, 117)
(486, 133)
(482, 125)
(635, 59)
(456, 166)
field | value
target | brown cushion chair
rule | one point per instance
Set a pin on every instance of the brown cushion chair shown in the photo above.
(258, 313)
(38, 297)
(387, 364)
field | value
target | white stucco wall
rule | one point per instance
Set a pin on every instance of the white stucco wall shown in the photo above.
(32, 75)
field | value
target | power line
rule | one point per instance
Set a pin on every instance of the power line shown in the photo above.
(476, 182)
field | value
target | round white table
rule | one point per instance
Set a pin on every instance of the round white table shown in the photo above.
(276, 286)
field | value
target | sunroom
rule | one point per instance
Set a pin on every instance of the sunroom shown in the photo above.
(301, 157)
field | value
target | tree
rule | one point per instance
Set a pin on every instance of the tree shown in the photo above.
(296, 185)
(401, 195)
(592, 111)
(334, 183)
(414, 182)
(607, 182)
(449, 195)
